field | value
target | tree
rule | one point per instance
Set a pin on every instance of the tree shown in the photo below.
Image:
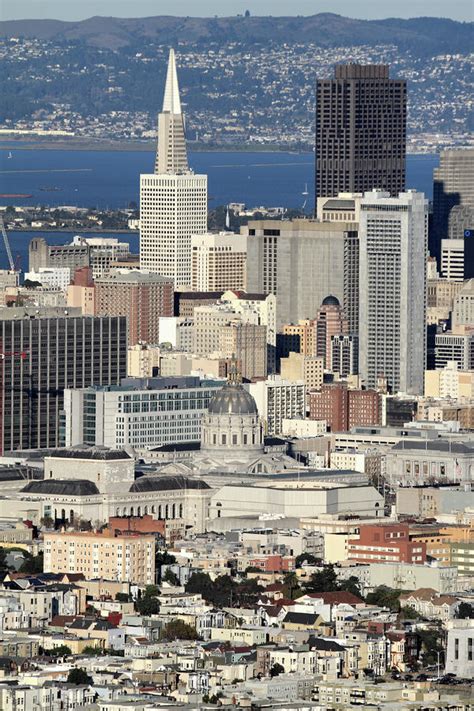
(409, 613)
(47, 522)
(122, 597)
(431, 644)
(147, 606)
(78, 676)
(324, 580)
(308, 559)
(152, 591)
(351, 585)
(385, 597)
(291, 585)
(32, 564)
(170, 577)
(177, 629)
(61, 651)
(199, 583)
(465, 611)
(162, 557)
(3, 560)
(92, 651)
(276, 669)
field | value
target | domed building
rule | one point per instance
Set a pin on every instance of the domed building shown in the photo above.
(232, 440)
(232, 425)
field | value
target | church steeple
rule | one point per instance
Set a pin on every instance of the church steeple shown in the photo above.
(171, 156)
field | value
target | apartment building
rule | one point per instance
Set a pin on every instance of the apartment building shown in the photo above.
(105, 555)
(218, 261)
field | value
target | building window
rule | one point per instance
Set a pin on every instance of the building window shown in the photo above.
(456, 648)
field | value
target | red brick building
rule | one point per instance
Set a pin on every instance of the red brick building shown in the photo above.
(386, 543)
(272, 563)
(137, 524)
(343, 408)
(142, 297)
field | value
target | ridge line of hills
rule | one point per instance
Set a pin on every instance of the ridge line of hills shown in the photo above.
(422, 35)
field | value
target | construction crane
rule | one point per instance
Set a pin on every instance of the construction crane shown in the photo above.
(7, 246)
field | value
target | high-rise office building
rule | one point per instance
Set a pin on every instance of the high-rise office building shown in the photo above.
(141, 296)
(330, 321)
(173, 200)
(44, 352)
(218, 261)
(344, 355)
(453, 198)
(360, 131)
(392, 296)
(302, 261)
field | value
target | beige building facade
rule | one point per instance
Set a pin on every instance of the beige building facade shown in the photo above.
(101, 555)
(309, 368)
(218, 261)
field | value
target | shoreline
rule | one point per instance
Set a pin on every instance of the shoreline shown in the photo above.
(70, 232)
(105, 145)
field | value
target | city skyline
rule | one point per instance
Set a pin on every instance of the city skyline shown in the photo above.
(236, 433)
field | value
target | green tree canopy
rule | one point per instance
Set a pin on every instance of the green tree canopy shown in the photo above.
(276, 669)
(324, 580)
(61, 651)
(465, 611)
(32, 564)
(177, 629)
(170, 577)
(385, 597)
(79, 676)
(147, 606)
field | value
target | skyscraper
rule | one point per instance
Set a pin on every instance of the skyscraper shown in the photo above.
(360, 131)
(43, 352)
(392, 278)
(330, 321)
(173, 200)
(302, 261)
(453, 198)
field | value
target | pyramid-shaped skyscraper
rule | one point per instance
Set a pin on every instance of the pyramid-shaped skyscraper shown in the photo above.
(173, 200)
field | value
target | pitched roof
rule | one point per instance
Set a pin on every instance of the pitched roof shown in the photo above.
(300, 618)
(338, 598)
(420, 594)
(325, 645)
(61, 620)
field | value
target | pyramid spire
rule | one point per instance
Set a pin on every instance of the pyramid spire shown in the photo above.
(171, 155)
(171, 101)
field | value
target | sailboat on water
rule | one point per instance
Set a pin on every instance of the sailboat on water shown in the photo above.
(305, 195)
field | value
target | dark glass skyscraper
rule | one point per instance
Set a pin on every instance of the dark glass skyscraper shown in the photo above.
(360, 131)
(453, 200)
(44, 351)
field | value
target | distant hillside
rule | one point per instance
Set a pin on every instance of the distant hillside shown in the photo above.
(423, 36)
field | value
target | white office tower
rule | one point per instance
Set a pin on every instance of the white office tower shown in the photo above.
(392, 278)
(173, 200)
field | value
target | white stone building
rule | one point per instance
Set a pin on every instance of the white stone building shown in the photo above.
(173, 200)
(392, 296)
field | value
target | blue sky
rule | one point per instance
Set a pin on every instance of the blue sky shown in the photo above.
(367, 9)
